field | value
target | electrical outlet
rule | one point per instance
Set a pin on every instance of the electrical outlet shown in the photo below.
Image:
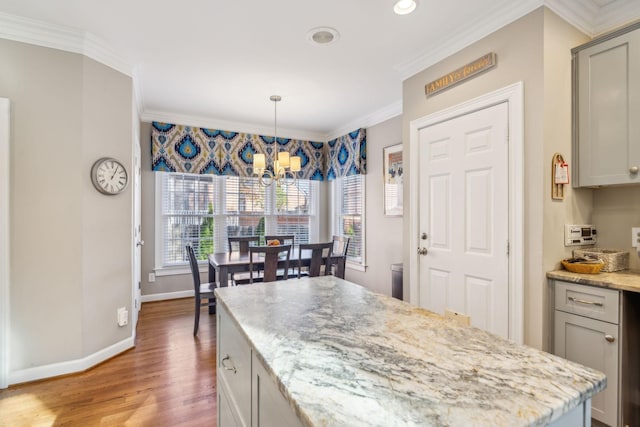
(462, 319)
(123, 316)
(152, 277)
(635, 237)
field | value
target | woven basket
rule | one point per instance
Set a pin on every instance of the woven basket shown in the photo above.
(579, 267)
(614, 259)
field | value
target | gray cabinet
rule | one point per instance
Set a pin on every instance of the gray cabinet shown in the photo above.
(606, 110)
(247, 394)
(587, 331)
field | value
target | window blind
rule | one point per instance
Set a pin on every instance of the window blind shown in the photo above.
(350, 220)
(204, 210)
(187, 208)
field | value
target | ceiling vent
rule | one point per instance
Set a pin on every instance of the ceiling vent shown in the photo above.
(323, 35)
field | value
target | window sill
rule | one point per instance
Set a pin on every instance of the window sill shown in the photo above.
(357, 267)
(178, 270)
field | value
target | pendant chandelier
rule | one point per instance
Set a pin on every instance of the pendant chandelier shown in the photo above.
(283, 168)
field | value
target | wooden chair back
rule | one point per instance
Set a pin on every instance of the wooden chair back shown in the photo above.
(320, 255)
(272, 255)
(340, 247)
(242, 243)
(201, 290)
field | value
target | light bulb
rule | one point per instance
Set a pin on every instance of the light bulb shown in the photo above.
(404, 7)
(259, 161)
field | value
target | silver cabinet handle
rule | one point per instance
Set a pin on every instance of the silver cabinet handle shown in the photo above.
(609, 338)
(633, 170)
(584, 301)
(227, 364)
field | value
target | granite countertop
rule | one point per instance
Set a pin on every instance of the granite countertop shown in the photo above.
(343, 355)
(624, 280)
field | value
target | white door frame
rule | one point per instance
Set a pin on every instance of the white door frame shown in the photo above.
(5, 175)
(136, 255)
(514, 96)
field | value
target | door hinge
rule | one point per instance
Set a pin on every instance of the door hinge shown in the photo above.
(508, 247)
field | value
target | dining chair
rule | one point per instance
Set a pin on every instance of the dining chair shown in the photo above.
(283, 239)
(340, 247)
(241, 244)
(320, 255)
(202, 290)
(271, 256)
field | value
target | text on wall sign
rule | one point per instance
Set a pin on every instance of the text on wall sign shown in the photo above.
(463, 73)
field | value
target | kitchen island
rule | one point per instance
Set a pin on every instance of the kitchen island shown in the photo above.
(325, 352)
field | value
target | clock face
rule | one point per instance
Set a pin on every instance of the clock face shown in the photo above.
(109, 176)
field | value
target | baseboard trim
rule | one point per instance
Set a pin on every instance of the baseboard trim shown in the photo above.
(71, 366)
(166, 296)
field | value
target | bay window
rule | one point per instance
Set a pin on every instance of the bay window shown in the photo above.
(203, 210)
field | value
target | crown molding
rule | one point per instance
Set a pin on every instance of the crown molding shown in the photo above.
(617, 14)
(490, 23)
(59, 37)
(379, 116)
(579, 13)
(208, 122)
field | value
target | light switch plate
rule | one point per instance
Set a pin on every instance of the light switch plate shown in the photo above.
(635, 237)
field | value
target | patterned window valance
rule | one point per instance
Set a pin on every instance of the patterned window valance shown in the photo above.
(177, 148)
(347, 155)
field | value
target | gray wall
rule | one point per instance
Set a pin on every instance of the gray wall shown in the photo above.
(535, 50)
(383, 234)
(70, 246)
(615, 211)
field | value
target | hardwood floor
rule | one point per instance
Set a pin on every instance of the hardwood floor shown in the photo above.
(168, 379)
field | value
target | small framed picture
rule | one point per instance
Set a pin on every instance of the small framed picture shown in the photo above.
(393, 176)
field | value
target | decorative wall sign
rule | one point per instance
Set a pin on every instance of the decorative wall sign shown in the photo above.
(393, 177)
(463, 73)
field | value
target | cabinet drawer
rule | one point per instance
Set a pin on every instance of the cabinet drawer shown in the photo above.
(589, 301)
(234, 365)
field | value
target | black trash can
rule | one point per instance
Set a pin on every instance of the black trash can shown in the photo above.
(396, 280)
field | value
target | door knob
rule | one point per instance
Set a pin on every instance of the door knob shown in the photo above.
(633, 170)
(609, 338)
(422, 251)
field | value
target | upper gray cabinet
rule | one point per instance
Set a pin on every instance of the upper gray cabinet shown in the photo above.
(606, 109)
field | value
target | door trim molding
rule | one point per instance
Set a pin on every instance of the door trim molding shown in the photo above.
(5, 175)
(514, 96)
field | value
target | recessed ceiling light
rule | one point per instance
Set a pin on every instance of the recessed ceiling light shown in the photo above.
(405, 7)
(323, 35)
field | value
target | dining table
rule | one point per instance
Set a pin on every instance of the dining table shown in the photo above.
(222, 264)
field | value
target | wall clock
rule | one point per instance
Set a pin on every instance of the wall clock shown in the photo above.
(109, 176)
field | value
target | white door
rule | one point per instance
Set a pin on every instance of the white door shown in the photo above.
(137, 231)
(4, 240)
(464, 217)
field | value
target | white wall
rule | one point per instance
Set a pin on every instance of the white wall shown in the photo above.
(70, 246)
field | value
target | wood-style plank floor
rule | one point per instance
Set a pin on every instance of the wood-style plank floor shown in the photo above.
(168, 379)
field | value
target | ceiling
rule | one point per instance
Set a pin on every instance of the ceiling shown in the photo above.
(213, 63)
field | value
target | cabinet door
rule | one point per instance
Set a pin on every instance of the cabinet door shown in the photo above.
(269, 407)
(234, 366)
(225, 413)
(607, 141)
(595, 344)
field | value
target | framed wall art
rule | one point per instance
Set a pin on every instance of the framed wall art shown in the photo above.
(393, 176)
